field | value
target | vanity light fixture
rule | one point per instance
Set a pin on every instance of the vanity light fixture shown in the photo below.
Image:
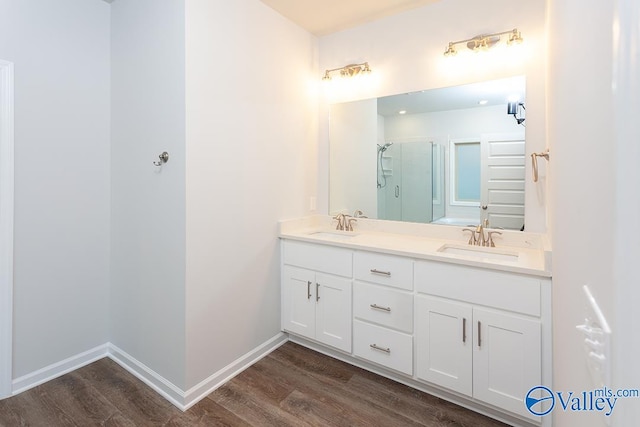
(348, 70)
(484, 41)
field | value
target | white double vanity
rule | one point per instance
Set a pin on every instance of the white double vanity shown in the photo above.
(416, 303)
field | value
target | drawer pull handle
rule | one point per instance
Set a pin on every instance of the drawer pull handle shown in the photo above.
(382, 273)
(479, 335)
(308, 290)
(377, 307)
(464, 330)
(375, 347)
(317, 292)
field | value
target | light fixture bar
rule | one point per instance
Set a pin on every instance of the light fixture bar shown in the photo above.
(348, 70)
(484, 41)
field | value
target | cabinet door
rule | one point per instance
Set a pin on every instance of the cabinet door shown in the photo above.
(333, 311)
(298, 301)
(506, 359)
(444, 343)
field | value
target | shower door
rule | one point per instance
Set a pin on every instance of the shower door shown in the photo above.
(407, 194)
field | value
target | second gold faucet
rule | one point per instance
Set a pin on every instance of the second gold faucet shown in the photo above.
(478, 237)
(345, 222)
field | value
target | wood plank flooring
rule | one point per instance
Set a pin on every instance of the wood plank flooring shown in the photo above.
(293, 386)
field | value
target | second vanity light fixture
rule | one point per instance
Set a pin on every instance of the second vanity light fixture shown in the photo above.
(484, 41)
(348, 70)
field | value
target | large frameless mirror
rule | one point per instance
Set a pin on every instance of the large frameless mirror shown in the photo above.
(445, 156)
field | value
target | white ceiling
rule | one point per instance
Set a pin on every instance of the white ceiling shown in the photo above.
(321, 17)
(495, 92)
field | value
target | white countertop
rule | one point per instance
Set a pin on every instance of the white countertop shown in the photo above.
(423, 241)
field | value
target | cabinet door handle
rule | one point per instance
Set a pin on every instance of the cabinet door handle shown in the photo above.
(308, 290)
(317, 291)
(375, 347)
(479, 334)
(464, 330)
(383, 273)
(377, 307)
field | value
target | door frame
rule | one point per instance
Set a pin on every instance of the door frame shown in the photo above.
(6, 227)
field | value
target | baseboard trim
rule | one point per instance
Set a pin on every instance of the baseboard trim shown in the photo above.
(157, 382)
(205, 387)
(58, 369)
(183, 400)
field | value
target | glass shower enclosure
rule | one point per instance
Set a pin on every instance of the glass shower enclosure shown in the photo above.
(410, 180)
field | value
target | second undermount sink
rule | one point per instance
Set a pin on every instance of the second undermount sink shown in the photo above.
(479, 252)
(340, 235)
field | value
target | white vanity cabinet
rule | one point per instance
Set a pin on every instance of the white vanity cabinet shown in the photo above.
(478, 332)
(383, 310)
(477, 336)
(316, 293)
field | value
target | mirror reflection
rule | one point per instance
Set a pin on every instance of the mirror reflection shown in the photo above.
(445, 156)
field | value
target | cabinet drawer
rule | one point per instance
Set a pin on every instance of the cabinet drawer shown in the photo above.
(384, 269)
(383, 346)
(507, 291)
(328, 259)
(382, 305)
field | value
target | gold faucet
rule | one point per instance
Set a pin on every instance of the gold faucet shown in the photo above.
(478, 237)
(345, 222)
(481, 240)
(472, 239)
(491, 233)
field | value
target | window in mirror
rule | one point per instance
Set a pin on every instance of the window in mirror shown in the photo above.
(466, 172)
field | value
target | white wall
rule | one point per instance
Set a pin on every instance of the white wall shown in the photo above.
(626, 372)
(148, 203)
(61, 277)
(594, 74)
(406, 54)
(251, 91)
(583, 172)
(353, 158)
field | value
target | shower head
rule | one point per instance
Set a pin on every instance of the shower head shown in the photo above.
(383, 148)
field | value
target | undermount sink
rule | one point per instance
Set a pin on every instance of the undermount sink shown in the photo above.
(340, 235)
(479, 252)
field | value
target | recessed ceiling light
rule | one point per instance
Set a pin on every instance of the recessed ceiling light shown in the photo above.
(483, 102)
(402, 112)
